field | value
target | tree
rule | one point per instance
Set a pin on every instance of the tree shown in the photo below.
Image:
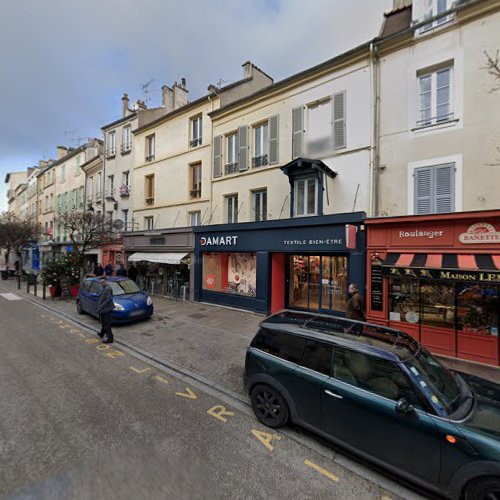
(15, 233)
(493, 69)
(86, 230)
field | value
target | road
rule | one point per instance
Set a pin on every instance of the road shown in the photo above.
(80, 419)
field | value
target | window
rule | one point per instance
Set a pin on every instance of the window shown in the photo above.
(111, 146)
(232, 154)
(432, 8)
(110, 190)
(46, 203)
(125, 187)
(259, 201)
(195, 181)
(283, 345)
(51, 201)
(126, 139)
(437, 304)
(317, 357)
(63, 173)
(150, 148)
(196, 131)
(78, 170)
(305, 197)
(232, 209)
(434, 189)
(233, 273)
(148, 223)
(261, 145)
(125, 219)
(194, 218)
(376, 375)
(435, 105)
(149, 189)
(98, 187)
(403, 300)
(319, 128)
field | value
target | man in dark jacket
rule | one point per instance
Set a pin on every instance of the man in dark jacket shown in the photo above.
(132, 272)
(98, 270)
(355, 307)
(105, 306)
(108, 269)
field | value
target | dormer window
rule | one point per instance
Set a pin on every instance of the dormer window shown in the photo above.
(427, 9)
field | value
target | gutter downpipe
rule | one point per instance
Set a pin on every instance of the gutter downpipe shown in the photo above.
(375, 62)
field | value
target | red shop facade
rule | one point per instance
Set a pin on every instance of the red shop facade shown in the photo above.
(437, 277)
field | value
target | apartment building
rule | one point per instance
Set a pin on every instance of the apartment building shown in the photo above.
(172, 178)
(13, 181)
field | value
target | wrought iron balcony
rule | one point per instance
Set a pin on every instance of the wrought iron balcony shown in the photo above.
(231, 168)
(260, 161)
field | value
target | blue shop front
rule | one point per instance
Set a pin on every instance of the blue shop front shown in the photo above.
(302, 263)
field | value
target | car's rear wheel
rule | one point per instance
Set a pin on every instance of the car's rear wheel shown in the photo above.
(269, 406)
(79, 308)
(487, 488)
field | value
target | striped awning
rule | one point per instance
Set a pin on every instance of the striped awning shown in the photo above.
(455, 267)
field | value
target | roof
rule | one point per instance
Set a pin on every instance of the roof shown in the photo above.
(374, 339)
(131, 116)
(303, 165)
(396, 21)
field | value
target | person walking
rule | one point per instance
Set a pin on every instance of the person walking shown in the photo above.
(109, 269)
(98, 270)
(132, 272)
(105, 306)
(355, 307)
(121, 271)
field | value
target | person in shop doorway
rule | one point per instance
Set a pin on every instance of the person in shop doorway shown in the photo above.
(109, 269)
(132, 272)
(355, 307)
(121, 271)
(98, 270)
(105, 306)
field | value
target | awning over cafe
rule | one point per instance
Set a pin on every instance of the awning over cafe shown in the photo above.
(455, 267)
(157, 257)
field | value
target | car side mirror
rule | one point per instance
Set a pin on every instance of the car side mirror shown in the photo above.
(403, 407)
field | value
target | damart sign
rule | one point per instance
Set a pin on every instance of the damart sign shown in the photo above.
(481, 232)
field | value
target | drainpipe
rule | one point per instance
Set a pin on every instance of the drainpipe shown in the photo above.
(375, 63)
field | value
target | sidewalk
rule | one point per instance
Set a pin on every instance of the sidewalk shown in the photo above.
(205, 339)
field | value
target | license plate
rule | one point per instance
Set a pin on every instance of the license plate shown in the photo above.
(136, 313)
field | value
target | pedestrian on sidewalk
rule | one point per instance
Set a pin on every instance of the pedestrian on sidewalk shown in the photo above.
(132, 272)
(105, 306)
(355, 307)
(121, 271)
(98, 270)
(109, 269)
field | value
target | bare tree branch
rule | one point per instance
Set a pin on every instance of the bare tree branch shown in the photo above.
(493, 68)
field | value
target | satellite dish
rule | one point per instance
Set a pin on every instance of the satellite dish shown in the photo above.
(118, 224)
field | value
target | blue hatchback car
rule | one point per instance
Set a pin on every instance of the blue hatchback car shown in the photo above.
(131, 304)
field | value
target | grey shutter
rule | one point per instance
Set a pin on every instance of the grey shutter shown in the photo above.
(297, 132)
(273, 140)
(445, 188)
(243, 148)
(217, 156)
(423, 190)
(339, 119)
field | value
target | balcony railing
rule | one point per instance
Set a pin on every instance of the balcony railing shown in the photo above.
(195, 193)
(111, 153)
(126, 148)
(150, 201)
(110, 193)
(231, 168)
(435, 120)
(260, 161)
(150, 158)
(195, 142)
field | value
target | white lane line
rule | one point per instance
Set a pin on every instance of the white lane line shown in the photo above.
(10, 296)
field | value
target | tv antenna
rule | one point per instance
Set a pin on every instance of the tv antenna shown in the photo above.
(146, 90)
(71, 134)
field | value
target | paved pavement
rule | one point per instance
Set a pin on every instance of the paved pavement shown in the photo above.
(85, 420)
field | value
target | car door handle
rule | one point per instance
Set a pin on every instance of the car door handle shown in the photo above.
(338, 396)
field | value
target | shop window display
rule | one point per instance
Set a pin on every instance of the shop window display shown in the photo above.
(437, 304)
(234, 273)
(478, 309)
(404, 300)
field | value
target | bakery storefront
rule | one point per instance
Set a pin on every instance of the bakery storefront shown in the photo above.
(303, 263)
(437, 278)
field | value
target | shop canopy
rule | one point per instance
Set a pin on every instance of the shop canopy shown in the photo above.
(157, 257)
(455, 267)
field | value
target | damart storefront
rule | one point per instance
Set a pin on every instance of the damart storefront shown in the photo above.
(303, 263)
(437, 277)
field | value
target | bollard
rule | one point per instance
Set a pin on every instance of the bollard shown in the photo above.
(19, 281)
(27, 286)
(35, 286)
(44, 291)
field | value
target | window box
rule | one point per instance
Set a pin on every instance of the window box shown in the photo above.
(124, 191)
(110, 194)
(231, 168)
(260, 161)
(110, 154)
(195, 142)
(195, 193)
(126, 148)
(150, 202)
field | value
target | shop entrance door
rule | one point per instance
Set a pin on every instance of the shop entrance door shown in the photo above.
(318, 282)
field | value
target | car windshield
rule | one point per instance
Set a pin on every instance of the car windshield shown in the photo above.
(123, 287)
(436, 381)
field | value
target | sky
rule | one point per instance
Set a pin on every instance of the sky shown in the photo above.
(65, 64)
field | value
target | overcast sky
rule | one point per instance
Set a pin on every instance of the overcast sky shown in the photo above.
(64, 64)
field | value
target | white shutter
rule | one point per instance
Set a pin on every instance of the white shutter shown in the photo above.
(444, 188)
(243, 148)
(217, 156)
(423, 190)
(297, 132)
(273, 139)
(339, 120)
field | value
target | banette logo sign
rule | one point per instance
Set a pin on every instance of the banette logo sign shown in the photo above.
(481, 232)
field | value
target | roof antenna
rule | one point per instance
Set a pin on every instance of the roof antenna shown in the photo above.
(145, 90)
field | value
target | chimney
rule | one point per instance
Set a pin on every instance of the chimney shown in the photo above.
(180, 94)
(247, 69)
(400, 4)
(61, 151)
(213, 89)
(42, 163)
(125, 104)
(168, 98)
(141, 104)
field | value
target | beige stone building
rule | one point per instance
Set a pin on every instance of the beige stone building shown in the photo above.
(438, 128)
(14, 180)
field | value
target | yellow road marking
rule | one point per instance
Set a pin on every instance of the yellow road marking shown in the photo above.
(218, 411)
(75, 330)
(92, 341)
(137, 370)
(385, 497)
(102, 347)
(161, 379)
(82, 335)
(114, 354)
(266, 438)
(316, 467)
(189, 394)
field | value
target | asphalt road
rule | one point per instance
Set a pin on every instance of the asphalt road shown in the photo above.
(80, 419)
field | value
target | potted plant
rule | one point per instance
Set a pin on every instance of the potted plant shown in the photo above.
(474, 322)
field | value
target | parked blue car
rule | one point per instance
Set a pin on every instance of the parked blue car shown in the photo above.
(131, 304)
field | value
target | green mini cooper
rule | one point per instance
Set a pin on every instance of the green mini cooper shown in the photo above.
(379, 394)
